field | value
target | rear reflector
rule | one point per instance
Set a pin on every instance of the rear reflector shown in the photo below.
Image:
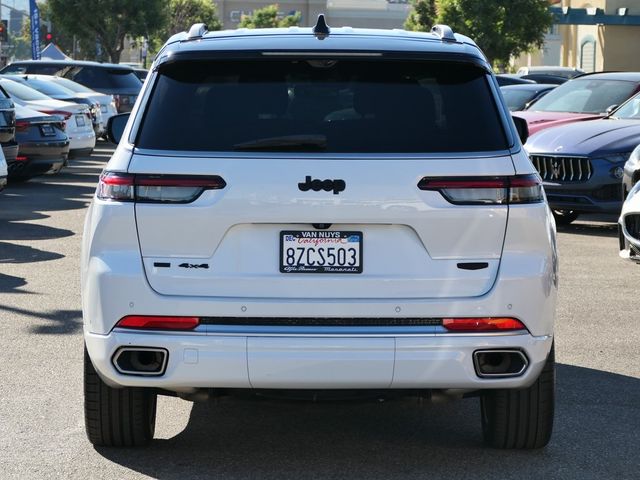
(486, 190)
(126, 187)
(482, 324)
(148, 322)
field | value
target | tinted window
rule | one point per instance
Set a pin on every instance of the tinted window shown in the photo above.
(630, 110)
(106, 78)
(22, 92)
(326, 106)
(48, 88)
(517, 99)
(585, 96)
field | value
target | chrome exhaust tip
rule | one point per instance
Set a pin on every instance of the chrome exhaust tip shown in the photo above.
(145, 361)
(500, 363)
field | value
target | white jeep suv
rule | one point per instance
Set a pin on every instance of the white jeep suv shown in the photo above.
(318, 209)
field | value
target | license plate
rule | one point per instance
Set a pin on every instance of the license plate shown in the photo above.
(47, 130)
(320, 251)
(80, 120)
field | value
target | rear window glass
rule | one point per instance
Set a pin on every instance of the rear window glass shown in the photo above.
(109, 78)
(342, 106)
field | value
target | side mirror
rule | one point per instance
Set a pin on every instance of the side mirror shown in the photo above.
(522, 128)
(115, 127)
(610, 109)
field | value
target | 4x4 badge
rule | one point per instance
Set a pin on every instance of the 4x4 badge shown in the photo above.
(337, 185)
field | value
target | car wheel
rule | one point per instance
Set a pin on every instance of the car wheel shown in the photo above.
(565, 217)
(117, 417)
(521, 418)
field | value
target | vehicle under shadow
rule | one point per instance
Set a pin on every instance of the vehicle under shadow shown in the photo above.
(405, 439)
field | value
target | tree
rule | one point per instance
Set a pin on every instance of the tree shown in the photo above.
(267, 17)
(422, 15)
(184, 13)
(502, 28)
(107, 22)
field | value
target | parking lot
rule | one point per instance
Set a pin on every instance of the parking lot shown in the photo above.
(597, 430)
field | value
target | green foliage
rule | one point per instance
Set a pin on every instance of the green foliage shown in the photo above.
(107, 22)
(422, 16)
(267, 17)
(502, 28)
(184, 13)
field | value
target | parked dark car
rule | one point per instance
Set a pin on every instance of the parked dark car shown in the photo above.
(113, 79)
(546, 78)
(59, 92)
(582, 164)
(43, 145)
(511, 79)
(584, 98)
(519, 97)
(141, 73)
(7, 126)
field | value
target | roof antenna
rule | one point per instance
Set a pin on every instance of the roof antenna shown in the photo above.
(321, 29)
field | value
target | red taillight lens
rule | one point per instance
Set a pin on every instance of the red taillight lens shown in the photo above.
(65, 115)
(22, 158)
(482, 324)
(486, 190)
(125, 187)
(22, 126)
(150, 322)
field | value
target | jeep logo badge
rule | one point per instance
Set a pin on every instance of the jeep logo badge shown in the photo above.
(327, 185)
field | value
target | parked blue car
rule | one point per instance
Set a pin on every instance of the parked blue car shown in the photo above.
(582, 164)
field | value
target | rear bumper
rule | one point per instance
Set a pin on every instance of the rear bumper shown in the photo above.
(3, 182)
(220, 359)
(34, 166)
(597, 198)
(81, 141)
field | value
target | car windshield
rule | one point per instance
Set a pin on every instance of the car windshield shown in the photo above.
(73, 86)
(48, 88)
(585, 96)
(517, 99)
(630, 110)
(348, 106)
(22, 92)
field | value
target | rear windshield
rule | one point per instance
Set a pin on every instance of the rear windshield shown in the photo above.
(585, 96)
(339, 106)
(106, 78)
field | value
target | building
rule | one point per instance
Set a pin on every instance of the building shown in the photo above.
(354, 13)
(598, 35)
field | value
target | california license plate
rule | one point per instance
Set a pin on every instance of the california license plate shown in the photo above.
(80, 120)
(320, 251)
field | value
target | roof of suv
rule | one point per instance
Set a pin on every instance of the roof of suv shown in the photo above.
(78, 63)
(339, 39)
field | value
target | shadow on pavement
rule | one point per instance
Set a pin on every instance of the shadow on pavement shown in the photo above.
(60, 322)
(11, 284)
(11, 253)
(233, 438)
(591, 229)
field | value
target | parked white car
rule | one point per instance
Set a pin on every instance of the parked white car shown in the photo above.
(107, 103)
(79, 128)
(629, 223)
(332, 209)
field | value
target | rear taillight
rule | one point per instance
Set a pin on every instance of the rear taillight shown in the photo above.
(482, 324)
(126, 187)
(152, 322)
(22, 126)
(65, 115)
(486, 190)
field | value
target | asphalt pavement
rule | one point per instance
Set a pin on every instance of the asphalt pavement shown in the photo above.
(597, 424)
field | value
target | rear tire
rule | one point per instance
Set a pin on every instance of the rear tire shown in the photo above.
(565, 217)
(117, 417)
(522, 418)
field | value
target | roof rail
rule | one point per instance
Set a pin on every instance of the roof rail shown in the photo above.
(444, 32)
(197, 30)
